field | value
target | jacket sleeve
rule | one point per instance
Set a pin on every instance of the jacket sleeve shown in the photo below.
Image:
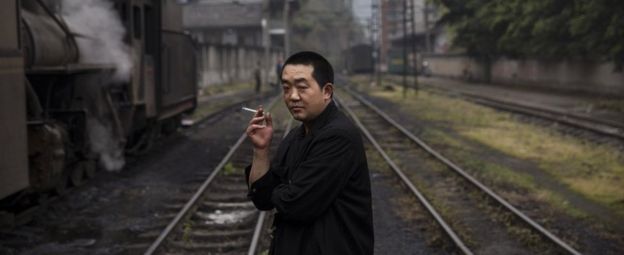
(318, 180)
(260, 191)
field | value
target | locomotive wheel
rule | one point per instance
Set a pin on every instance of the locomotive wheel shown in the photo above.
(146, 140)
(77, 174)
(89, 168)
(171, 125)
(61, 185)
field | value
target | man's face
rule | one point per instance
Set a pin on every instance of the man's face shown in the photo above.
(302, 94)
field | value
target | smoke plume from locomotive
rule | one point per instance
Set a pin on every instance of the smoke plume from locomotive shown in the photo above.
(101, 41)
(102, 142)
(104, 31)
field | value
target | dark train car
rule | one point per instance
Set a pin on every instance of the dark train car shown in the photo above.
(179, 70)
(163, 80)
(14, 151)
(61, 115)
(360, 59)
(395, 62)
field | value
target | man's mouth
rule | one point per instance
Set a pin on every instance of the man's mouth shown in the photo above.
(296, 108)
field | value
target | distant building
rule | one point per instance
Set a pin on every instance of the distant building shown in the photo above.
(234, 35)
(421, 30)
(225, 22)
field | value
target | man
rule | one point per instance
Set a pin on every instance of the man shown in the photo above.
(318, 182)
(257, 77)
(278, 72)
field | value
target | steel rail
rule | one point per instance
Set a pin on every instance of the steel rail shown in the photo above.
(187, 207)
(421, 198)
(608, 127)
(599, 126)
(543, 231)
(255, 240)
(256, 235)
(602, 127)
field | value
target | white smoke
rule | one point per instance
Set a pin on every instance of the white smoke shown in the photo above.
(105, 145)
(98, 20)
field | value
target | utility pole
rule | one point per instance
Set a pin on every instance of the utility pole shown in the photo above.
(414, 53)
(371, 30)
(349, 36)
(286, 28)
(376, 40)
(427, 33)
(266, 42)
(404, 48)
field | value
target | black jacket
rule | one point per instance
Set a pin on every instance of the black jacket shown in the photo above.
(319, 185)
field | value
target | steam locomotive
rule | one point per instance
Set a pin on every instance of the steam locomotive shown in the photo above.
(61, 116)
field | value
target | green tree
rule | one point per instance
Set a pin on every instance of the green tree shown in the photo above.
(592, 29)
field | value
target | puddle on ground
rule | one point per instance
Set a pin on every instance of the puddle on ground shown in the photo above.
(235, 204)
(219, 217)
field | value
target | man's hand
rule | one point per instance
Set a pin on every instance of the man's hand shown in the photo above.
(260, 130)
(260, 133)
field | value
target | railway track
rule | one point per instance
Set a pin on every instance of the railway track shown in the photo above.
(475, 219)
(598, 126)
(601, 127)
(215, 216)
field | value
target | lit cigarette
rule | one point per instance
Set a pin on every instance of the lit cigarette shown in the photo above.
(249, 109)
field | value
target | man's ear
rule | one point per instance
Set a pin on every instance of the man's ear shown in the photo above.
(328, 90)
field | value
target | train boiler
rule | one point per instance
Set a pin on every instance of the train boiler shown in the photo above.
(63, 114)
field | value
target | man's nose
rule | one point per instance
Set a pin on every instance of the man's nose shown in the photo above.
(294, 95)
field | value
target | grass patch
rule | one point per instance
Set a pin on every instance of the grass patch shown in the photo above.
(610, 105)
(361, 79)
(595, 171)
(187, 228)
(229, 169)
(375, 162)
(499, 175)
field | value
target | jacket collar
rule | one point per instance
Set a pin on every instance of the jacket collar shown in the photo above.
(321, 120)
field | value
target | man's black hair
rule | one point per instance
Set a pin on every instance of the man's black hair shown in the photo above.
(322, 71)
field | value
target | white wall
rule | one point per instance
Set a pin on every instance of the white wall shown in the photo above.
(225, 64)
(565, 75)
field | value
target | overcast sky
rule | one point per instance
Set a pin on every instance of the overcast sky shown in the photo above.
(362, 9)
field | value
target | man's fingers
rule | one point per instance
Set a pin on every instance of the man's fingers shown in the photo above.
(254, 127)
(269, 119)
(260, 120)
(260, 111)
(256, 120)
